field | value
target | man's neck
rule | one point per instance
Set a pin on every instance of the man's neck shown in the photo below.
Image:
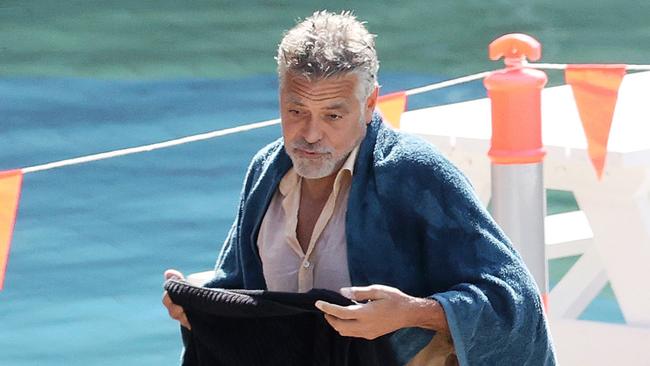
(318, 189)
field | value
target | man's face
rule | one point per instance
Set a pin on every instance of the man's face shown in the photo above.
(322, 122)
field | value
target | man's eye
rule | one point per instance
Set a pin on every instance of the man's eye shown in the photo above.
(334, 116)
(294, 111)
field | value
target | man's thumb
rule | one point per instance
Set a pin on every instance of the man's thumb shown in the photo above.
(361, 293)
(173, 274)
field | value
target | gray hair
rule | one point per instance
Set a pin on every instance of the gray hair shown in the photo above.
(328, 45)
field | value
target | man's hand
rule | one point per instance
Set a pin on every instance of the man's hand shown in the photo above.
(175, 311)
(387, 309)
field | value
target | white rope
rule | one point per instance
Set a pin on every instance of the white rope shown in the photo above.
(160, 145)
(252, 126)
(637, 67)
(564, 66)
(209, 135)
(448, 83)
(547, 66)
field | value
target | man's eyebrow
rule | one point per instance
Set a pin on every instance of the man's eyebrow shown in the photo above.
(337, 105)
(296, 101)
(333, 106)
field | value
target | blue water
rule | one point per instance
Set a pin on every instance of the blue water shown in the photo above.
(91, 241)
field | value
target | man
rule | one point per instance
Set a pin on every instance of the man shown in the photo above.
(343, 202)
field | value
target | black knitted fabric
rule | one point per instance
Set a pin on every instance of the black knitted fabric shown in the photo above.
(255, 327)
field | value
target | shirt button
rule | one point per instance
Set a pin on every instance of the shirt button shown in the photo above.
(306, 264)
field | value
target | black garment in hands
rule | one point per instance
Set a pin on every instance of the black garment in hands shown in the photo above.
(255, 327)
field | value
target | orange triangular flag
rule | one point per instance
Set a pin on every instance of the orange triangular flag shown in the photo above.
(391, 106)
(10, 182)
(595, 88)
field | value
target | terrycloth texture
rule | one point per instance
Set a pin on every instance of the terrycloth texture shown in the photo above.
(414, 223)
(254, 327)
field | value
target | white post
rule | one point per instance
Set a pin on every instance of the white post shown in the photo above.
(519, 207)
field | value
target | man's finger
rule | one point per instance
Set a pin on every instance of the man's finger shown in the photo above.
(175, 274)
(341, 312)
(166, 300)
(169, 304)
(364, 293)
(176, 312)
(185, 322)
(343, 326)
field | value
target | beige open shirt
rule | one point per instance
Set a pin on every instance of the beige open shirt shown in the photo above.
(287, 267)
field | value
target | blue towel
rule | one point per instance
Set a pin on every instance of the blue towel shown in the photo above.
(413, 222)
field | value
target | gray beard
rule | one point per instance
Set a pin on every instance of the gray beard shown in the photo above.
(322, 167)
(316, 168)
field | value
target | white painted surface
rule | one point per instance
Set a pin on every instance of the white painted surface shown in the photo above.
(581, 343)
(567, 234)
(579, 286)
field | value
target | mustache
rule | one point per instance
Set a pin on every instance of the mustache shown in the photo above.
(302, 144)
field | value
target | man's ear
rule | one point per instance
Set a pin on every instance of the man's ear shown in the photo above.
(371, 103)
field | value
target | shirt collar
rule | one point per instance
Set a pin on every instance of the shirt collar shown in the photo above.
(291, 179)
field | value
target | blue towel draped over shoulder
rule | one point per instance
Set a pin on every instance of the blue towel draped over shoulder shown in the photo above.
(413, 222)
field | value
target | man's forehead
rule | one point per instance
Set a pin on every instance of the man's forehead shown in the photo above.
(347, 77)
(335, 89)
(334, 103)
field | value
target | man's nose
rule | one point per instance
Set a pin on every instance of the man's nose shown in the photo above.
(312, 132)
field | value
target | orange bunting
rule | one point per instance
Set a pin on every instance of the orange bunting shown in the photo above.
(595, 89)
(10, 183)
(391, 106)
